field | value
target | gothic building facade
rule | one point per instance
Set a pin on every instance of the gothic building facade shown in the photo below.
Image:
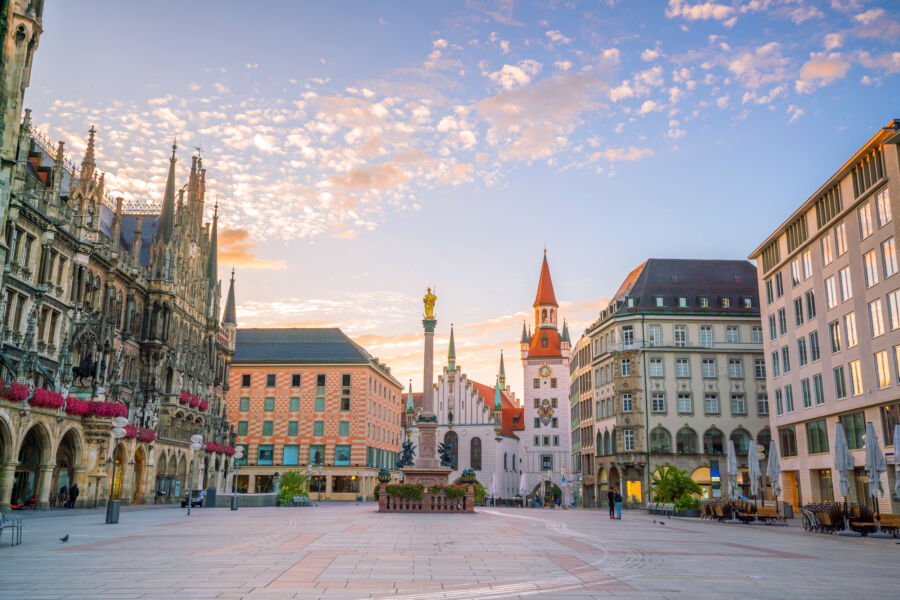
(107, 309)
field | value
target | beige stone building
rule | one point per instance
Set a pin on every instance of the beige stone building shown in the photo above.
(831, 313)
(677, 371)
(582, 415)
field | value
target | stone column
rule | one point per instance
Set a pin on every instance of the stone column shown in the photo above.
(80, 477)
(43, 491)
(6, 484)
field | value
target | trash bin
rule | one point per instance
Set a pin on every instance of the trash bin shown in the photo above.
(112, 511)
(210, 500)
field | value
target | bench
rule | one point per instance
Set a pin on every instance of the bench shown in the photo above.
(890, 522)
(656, 508)
(14, 524)
(767, 512)
(301, 501)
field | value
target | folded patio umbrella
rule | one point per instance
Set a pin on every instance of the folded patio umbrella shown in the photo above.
(495, 487)
(753, 469)
(843, 460)
(732, 472)
(897, 460)
(875, 464)
(523, 484)
(774, 469)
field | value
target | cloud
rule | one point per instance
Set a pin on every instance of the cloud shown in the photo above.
(510, 76)
(889, 62)
(761, 66)
(870, 16)
(834, 40)
(563, 65)
(649, 55)
(622, 154)
(558, 38)
(795, 112)
(649, 106)
(821, 70)
(701, 11)
(236, 248)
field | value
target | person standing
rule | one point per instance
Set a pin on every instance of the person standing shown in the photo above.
(618, 499)
(611, 500)
(73, 495)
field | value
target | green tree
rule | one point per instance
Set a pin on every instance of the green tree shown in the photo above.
(292, 483)
(671, 484)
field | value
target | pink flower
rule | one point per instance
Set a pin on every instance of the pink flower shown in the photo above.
(47, 399)
(146, 435)
(194, 401)
(14, 392)
(185, 397)
(229, 450)
(203, 405)
(131, 431)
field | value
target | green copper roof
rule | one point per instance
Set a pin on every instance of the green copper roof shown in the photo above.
(451, 352)
(498, 405)
(409, 399)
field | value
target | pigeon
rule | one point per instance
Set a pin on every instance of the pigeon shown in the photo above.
(662, 522)
(64, 538)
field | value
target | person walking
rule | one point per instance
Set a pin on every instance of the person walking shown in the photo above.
(618, 499)
(611, 500)
(73, 495)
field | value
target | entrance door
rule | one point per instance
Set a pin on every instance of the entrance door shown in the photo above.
(791, 489)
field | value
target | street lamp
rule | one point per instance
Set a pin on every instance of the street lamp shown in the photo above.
(319, 459)
(196, 444)
(238, 455)
(112, 506)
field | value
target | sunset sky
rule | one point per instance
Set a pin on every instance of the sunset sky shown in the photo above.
(361, 151)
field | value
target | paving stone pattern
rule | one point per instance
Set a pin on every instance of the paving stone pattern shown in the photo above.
(350, 551)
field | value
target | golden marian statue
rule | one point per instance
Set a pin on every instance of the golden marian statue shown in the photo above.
(429, 304)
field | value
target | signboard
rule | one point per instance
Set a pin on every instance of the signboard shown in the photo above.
(564, 481)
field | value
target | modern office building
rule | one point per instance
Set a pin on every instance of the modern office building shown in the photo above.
(678, 371)
(313, 400)
(831, 313)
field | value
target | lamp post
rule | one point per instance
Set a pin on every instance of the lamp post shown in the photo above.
(319, 460)
(196, 443)
(238, 455)
(112, 506)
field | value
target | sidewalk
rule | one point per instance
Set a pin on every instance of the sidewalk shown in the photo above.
(30, 514)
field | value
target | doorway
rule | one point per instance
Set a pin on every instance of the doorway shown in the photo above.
(791, 489)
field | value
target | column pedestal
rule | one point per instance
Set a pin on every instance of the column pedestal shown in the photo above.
(7, 479)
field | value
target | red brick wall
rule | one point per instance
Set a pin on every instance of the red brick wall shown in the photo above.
(359, 416)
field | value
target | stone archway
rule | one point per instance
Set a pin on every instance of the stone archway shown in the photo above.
(182, 477)
(614, 478)
(34, 460)
(68, 457)
(137, 479)
(119, 487)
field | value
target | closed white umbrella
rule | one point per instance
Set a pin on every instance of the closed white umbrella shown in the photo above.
(897, 460)
(773, 470)
(843, 464)
(753, 469)
(523, 485)
(495, 486)
(732, 472)
(875, 466)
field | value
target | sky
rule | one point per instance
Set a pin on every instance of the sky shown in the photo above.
(362, 151)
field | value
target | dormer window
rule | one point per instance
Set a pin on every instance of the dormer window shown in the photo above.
(748, 302)
(630, 302)
(726, 302)
(704, 302)
(660, 301)
(682, 302)
(544, 341)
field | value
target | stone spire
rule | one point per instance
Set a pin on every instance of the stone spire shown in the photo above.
(565, 333)
(167, 218)
(212, 265)
(89, 152)
(524, 333)
(409, 400)
(502, 379)
(451, 352)
(498, 403)
(229, 318)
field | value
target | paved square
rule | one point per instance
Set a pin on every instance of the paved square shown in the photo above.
(350, 551)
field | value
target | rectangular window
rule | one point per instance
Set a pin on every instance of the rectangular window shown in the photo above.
(850, 329)
(876, 318)
(626, 403)
(660, 301)
(788, 442)
(762, 404)
(732, 335)
(628, 337)
(795, 272)
(882, 369)
(295, 404)
(244, 404)
(779, 402)
(870, 265)
(342, 455)
(265, 454)
(893, 302)
(830, 293)
(685, 405)
(840, 234)
(817, 436)
(834, 330)
(776, 369)
(537, 422)
(735, 368)
(295, 380)
(546, 462)
(345, 403)
(291, 455)
(807, 264)
(865, 221)
(682, 367)
(267, 427)
(827, 249)
(814, 351)
(785, 360)
(680, 332)
(854, 428)
(756, 335)
(704, 301)
(789, 398)
(320, 380)
(553, 382)
(626, 367)
(270, 380)
(293, 427)
(316, 454)
(801, 352)
(889, 257)
(759, 368)
(773, 332)
(738, 406)
(810, 304)
(320, 403)
(770, 295)
(709, 367)
(883, 208)
(846, 285)
(782, 322)
(890, 417)
(629, 439)
(344, 428)
(798, 311)
(840, 384)
(805, 393)
(654, 335)
(711, 404)
(245, 380)
(656, 367)
(658, 402)
(536, 383)
(242, 428)
(318, 428)
(269, 404)
(819, 389)
(706, 339)
(779, 288)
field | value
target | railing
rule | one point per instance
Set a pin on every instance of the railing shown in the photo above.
(429, 503)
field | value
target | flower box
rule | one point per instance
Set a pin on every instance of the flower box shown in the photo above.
(146, 435)
(203, 405)
(195, 401)
(14, 392)
(131, 432)
(184, 398)
(47, 399)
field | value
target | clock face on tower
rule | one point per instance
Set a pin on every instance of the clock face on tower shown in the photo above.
(544, 371)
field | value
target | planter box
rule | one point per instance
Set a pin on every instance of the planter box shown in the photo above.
(430, 503)
(691, 512)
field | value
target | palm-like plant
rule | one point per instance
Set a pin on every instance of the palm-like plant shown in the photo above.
(292, 483)
(671, 483)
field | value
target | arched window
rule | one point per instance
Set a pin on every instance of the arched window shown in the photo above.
(475, 453)
(686, 441)
(504, 461)
(599, 443)
(613, 447)
(451, 438)
(764, 438)
(544, 316)
(607, 444)
(713, 442)
(552, 316)
(660, 441)
(741, 440)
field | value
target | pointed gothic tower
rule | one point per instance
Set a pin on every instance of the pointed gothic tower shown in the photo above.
(451, 353)
(212, 265)
(162, 253)
(229, 318)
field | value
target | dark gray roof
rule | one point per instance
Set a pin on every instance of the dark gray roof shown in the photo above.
(306, 345)
(692, 279)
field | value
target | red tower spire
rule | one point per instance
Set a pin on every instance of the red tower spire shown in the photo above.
(545, 295)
